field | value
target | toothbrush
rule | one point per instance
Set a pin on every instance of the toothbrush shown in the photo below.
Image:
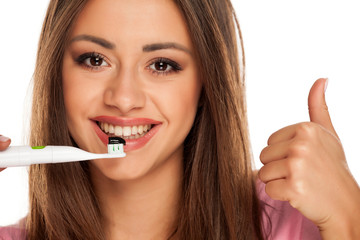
(16, 156)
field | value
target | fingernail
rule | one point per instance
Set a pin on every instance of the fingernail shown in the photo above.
(326, 84)
(4, 139)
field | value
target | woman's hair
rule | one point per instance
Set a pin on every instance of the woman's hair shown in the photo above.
(219, 198)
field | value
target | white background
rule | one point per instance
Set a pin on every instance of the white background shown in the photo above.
(288, 44)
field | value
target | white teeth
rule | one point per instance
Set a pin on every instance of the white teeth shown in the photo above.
(140, 129)
(136, 136)
(128, 132)
(118, 131)
(111, 128)
(134, 130)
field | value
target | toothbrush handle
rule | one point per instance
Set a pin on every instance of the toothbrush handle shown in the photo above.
(15, 156)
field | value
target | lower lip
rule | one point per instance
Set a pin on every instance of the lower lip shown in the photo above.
(131, 144)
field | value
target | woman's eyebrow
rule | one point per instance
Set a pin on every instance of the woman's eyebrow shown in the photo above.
(166, 45)
(146, 48)
(100, 41)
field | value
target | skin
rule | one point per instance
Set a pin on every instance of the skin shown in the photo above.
(139, 193)
(303, 163)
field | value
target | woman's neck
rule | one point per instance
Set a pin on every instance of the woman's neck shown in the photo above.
(143, 208)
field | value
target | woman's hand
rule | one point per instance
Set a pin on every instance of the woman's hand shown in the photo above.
(4, 144)
(305, 164)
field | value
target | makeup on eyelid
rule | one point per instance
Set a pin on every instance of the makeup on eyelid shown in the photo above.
(152, 75)
(157, 66)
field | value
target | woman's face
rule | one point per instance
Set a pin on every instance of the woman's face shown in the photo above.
(129, 66)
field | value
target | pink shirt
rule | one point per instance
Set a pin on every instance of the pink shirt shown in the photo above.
(286, 222)
(13, 232)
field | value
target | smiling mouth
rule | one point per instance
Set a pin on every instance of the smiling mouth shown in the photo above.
(125, 132)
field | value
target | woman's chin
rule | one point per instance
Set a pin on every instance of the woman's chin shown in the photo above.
(117, 169)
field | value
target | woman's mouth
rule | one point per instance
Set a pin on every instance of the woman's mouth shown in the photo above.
(136, 131)
(125, 132)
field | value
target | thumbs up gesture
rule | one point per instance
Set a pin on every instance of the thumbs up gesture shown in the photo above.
(305, 165)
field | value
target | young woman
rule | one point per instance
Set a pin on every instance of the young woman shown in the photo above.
(165, 75)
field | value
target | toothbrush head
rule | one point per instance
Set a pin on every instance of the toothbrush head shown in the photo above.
(116, 145)
(116, 140)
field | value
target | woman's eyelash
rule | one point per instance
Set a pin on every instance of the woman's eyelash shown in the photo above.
(92, 60)
(164, 66)
(159, 66)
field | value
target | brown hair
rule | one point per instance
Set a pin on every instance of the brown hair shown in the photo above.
(219, 197)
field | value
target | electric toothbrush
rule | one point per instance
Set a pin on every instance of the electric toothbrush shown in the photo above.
(16, 156)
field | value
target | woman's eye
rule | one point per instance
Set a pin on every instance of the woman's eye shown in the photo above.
(92, 60)
(161, 66)
(164, 66)
(96, 62)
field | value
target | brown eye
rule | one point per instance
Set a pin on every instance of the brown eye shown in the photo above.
(96, 61)
(92, 60)
(161, 66)
(164, 66)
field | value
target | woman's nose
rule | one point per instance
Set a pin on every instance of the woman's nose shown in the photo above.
(125, 92)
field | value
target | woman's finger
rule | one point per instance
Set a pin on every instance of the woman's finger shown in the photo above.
(318, 110)
(279, 189)
(283, 134)
(273, 171)
(275, 152)
(4, 144)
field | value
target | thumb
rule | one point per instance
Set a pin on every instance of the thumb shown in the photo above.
(318, 109)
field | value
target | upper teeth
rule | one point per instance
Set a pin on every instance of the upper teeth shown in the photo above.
(124, 131)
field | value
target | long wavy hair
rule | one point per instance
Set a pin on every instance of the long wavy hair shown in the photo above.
(219, 198)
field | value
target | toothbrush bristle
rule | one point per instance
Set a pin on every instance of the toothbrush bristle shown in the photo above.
(116, 145)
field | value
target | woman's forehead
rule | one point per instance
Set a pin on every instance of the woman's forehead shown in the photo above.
(127, 23)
